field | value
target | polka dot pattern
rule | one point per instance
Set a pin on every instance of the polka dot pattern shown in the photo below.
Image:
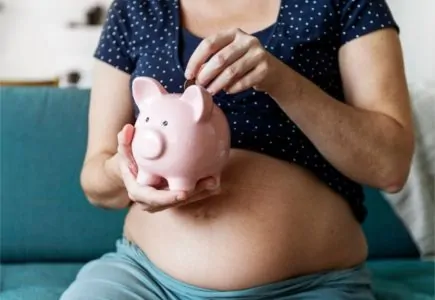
(144, 38)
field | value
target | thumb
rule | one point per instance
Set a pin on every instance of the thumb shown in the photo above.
(125, 136)
(128, 133)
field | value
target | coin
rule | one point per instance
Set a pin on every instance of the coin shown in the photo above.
(188, 83)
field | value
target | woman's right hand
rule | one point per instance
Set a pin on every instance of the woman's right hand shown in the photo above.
(158, 198)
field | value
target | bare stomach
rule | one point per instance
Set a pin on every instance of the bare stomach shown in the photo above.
(273, 221)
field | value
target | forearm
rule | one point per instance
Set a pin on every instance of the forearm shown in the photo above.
(102, 184)
(369, 147)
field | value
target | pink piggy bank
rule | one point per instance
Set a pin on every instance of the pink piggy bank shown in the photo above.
(179, 137)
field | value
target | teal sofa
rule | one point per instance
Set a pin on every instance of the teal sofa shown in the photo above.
(49, 230)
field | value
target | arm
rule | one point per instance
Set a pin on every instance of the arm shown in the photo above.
(110, 109)
(108, 176)
(370, 138)
(105, 178)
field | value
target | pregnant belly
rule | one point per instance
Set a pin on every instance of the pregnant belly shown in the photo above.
(273, 221)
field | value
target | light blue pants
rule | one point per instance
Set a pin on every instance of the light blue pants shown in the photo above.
(128, 274)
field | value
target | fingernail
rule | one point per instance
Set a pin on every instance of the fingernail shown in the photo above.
(188, 74)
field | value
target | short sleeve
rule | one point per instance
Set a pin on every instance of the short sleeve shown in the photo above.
(360, 17)
(113, 45)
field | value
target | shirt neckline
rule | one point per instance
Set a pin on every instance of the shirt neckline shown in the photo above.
(177, 27)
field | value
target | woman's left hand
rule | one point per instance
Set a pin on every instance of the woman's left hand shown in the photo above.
(233, 61)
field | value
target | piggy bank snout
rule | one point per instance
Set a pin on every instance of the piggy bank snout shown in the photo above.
(153, 144)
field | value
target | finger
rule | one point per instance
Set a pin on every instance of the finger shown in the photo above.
(205, 49)
(153, 197)
(154, 209)
(129, 133)
(249, 80)
(123, 144)
(148, 196)
(201, 196)
(197, 197)
(233, 73)
(220, 61)
(125, 137)
(128, 177)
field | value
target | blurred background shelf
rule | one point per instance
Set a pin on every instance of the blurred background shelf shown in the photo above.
(54, 82)
(57, 38)
(45, 39)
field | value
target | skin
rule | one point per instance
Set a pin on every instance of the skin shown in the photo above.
(369, 138)
(109, 170)
(238, 62)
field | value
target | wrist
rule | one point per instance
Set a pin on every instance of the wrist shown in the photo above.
(113, 171)
(284, 83)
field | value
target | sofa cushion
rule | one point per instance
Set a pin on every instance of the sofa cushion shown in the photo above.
(43, 213)
(392, 279)
(386, 233)
(36, 281)
(32, 293)
(410, 279)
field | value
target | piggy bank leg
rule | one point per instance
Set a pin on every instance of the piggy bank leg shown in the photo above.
(181, 184)
(144, 178)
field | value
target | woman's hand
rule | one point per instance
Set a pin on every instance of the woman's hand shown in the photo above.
(157, 198)
(236, 61)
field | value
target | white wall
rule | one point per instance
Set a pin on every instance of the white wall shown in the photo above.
(35, 41)
(416, 19)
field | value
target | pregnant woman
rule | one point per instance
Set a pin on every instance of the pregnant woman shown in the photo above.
(316, 97)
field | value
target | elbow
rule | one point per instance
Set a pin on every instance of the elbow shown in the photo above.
(100, 200)
(88, 189)
(97, 196)
(394, 180)
(395, 172)
(394, 187)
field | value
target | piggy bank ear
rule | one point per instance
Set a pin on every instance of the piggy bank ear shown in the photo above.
(201, 102)
(145, 90)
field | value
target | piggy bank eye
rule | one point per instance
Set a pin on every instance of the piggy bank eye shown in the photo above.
(165, 123)
(147, 119)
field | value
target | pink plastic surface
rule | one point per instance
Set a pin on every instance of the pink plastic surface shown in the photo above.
(179, 137)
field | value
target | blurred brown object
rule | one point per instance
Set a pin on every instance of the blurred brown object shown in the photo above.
(50, 83)
(73, 77)
(95, 15)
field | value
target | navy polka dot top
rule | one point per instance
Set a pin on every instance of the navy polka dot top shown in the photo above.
(144, 38)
